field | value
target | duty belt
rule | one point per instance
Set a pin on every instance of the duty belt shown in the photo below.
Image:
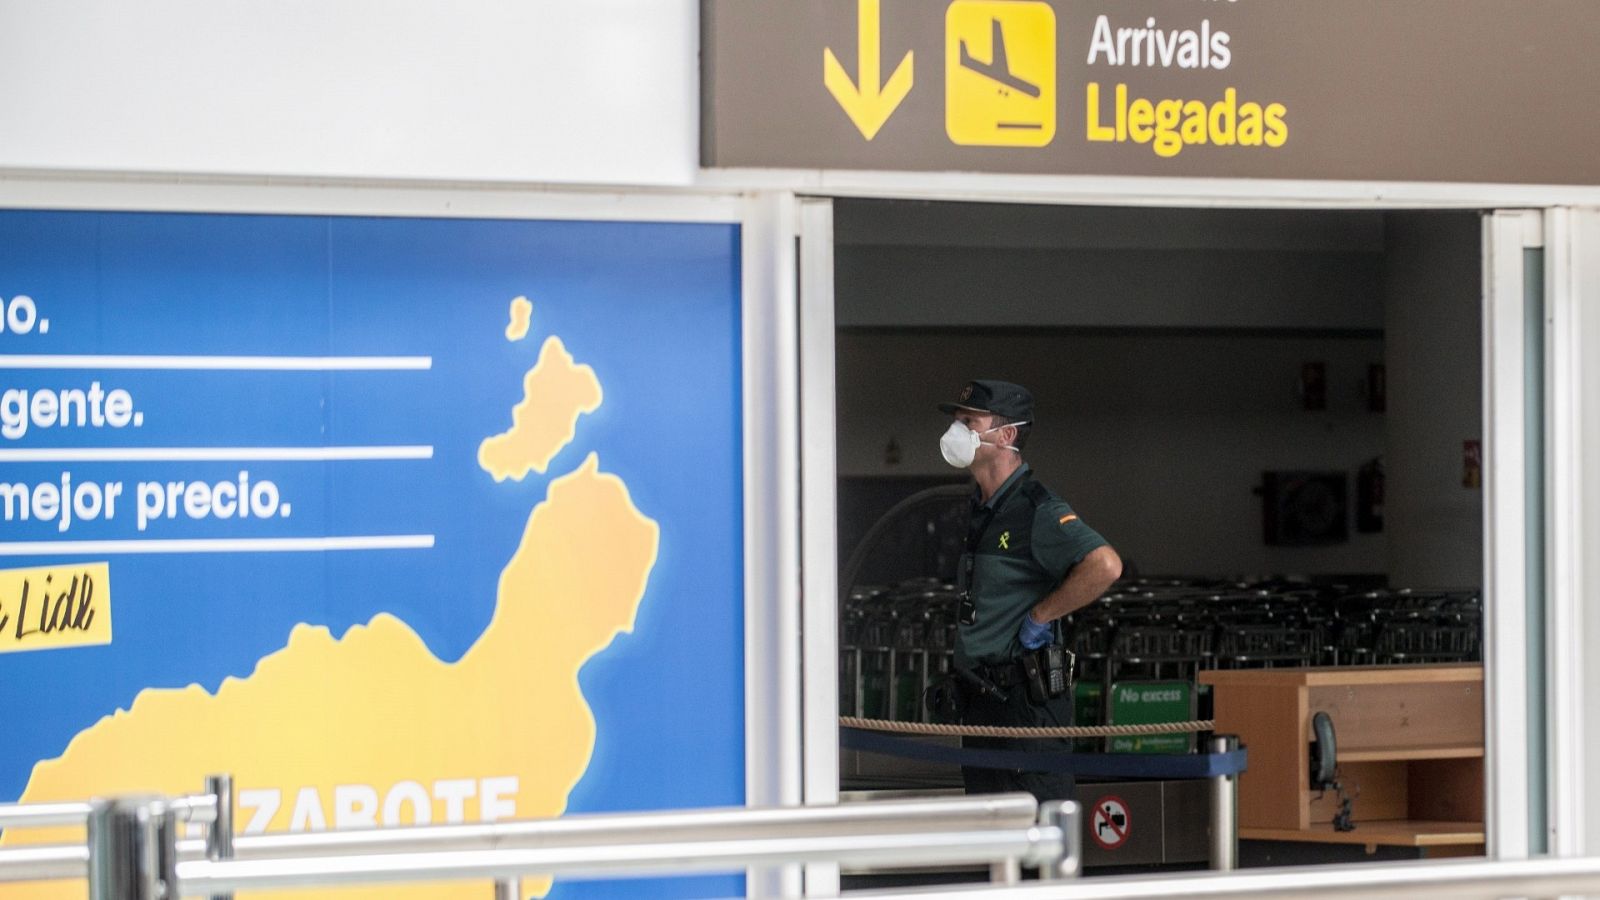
(1003, 675)
(1015, 672)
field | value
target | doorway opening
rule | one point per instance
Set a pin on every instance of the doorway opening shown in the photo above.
(1276, 417)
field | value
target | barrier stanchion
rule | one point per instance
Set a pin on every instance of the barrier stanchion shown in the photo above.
(1063, 815)
(133, 849)
(1006, 871)
(1224, 809)
(219, 834)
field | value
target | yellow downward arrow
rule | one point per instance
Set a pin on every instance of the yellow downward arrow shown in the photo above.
(870, 104)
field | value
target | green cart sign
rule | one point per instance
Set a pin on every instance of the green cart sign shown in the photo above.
(1149, 703)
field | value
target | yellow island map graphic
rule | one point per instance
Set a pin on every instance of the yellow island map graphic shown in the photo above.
(370, 728)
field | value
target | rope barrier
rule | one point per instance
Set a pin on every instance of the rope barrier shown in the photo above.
(929, 728)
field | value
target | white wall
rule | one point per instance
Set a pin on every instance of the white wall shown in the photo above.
(1433, 287)
(600, 91)
(1156, 440)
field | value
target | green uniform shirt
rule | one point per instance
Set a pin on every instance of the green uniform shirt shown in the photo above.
(1019, 548)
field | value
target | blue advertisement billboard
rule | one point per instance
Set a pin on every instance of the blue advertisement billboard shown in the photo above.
(397, 520)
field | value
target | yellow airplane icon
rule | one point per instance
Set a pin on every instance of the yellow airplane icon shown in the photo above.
(999, 69)
(1000, 73)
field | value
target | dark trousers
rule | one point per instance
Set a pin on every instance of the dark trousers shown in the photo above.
(1015, 711)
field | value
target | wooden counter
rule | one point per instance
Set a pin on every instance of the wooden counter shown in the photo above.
(1402, 833)
(1410, 751)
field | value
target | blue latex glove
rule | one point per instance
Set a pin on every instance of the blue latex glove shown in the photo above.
(1032, 634)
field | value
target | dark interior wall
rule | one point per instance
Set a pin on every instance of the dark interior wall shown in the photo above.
(901, 264)
(1114, 287)
(1433, 288)
(1165, 348)
(1157, 441)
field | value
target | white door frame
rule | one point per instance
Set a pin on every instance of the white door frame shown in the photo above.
(774, 640)
(1506, 236)
(819, 539)
(799, 233)
(1572, 398)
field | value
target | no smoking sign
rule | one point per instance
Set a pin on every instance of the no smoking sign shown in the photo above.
(1110, 824)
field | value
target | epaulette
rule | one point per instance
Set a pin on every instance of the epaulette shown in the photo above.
(1036, 493)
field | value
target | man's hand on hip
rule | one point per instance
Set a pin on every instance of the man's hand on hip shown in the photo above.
(1032, 634)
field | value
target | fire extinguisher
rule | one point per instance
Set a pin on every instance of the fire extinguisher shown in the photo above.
(1369, 496)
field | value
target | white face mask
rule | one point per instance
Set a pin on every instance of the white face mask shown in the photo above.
(960, 443)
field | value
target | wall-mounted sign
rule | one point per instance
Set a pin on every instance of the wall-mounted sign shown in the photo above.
(394, 512)
(1110, 823)
(1426, 90)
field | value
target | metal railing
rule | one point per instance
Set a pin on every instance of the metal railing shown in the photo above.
(133, 853)
(200, 809)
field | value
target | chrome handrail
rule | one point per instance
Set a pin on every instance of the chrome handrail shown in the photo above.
(730, 823)
(200, 809)
(1032, 846)
(47, 863)
(758, 830)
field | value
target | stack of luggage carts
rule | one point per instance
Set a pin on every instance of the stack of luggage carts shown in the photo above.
(895, 640)
(893, 643)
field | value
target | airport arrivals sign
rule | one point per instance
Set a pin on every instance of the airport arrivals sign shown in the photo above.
(1422, 90)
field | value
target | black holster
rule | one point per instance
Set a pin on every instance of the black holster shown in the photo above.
(1047, 672)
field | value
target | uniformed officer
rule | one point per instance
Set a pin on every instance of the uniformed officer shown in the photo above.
(1028, 561)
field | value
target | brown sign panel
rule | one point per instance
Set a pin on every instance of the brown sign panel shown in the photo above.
(1391, 90)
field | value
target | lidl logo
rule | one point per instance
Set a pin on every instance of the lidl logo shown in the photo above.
(1000, 73)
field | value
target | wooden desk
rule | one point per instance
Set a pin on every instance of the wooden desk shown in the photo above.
(1410, 751)
(1401, 833)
